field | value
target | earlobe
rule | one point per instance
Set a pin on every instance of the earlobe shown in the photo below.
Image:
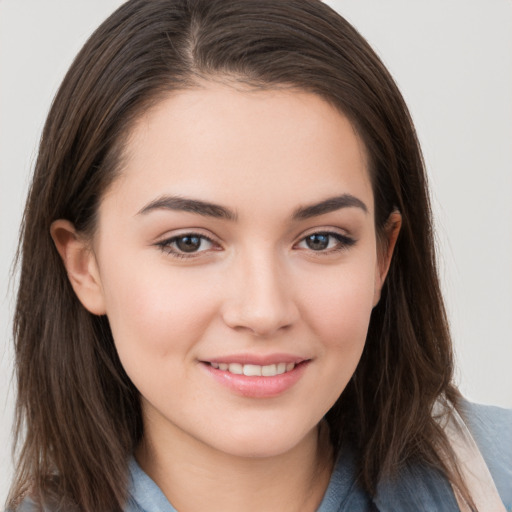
(80, 264)
(385, 251)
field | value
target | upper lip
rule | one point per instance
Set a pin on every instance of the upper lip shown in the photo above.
(257, 359)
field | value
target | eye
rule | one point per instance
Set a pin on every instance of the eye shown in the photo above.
(186, 245)
(326, 242)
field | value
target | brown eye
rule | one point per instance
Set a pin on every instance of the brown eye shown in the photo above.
(188, 243)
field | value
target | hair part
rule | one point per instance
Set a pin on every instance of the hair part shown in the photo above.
(67, 365)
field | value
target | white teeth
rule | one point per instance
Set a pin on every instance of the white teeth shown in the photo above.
(252, 370)
(236, 368)
(269, 370)
(255, 370)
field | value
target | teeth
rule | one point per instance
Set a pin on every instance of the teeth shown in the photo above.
(255, 370)
(252, 370)
(236, 368)
(269, 370)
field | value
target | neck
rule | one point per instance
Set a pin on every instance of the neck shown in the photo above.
(191, 474)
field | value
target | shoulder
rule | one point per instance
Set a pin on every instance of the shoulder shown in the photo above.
(28, 505)
(491, 428)
(53, 505)
(420, 487)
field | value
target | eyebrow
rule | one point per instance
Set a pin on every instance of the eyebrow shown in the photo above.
(208, 209)
(189, 205)
(329, 205)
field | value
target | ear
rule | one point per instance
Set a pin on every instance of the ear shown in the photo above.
(385, 250)
(81, 265)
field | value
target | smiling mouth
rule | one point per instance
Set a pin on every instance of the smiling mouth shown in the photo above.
(242, 376)
(254, 370)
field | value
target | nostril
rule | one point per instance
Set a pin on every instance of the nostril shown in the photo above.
(261, 323)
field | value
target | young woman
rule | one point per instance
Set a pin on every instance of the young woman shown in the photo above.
(228, 295)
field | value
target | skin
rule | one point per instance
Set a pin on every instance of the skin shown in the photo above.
(255, 288)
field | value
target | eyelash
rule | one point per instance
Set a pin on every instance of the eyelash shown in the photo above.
(343, 243)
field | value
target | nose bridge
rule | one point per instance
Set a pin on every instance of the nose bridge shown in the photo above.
(261, 299)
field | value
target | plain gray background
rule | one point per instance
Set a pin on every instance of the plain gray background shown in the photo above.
(453, 62)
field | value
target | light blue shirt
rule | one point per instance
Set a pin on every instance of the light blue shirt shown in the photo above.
(418, 488)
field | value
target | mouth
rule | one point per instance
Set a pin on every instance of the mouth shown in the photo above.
(246, 378)
(254, 370)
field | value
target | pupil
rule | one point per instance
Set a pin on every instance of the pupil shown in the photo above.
(188, 243)
(317, 242)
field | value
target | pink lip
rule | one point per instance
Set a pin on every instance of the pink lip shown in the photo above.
(258, 387)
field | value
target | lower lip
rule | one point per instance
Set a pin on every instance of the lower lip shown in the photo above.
(257, 387)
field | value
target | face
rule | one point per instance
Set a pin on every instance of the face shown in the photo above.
(236, 260)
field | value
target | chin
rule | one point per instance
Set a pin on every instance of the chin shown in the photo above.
(260, 443)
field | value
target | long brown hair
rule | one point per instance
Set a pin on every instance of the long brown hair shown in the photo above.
(78, 414)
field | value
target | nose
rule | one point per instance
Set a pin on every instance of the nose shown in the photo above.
(260, 298)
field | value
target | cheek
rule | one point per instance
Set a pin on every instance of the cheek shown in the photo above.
(337, 308)
(154, 316)
(338, 304)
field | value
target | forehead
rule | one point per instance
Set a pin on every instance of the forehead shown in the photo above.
(239, 145)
